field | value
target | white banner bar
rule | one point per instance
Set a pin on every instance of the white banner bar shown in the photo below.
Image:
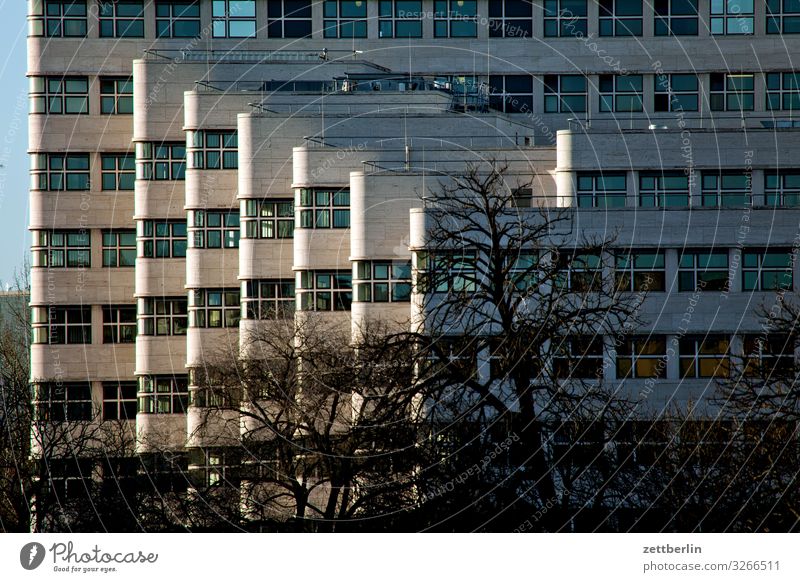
(407, 557)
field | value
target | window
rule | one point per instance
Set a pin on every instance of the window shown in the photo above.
(769, 270)
(165, 161)
(62, 324)
(703, 270)
(731, 16)
(325, 290)
(783, 17)
(581, 272)
(119, 400)
(621, 93)
(675, 17)
(268, 299)
(121, 19)
(511, 93)
(620, 17)
(564, 94)
(177, 18)
(213, 150)
(725, 189)
(447, 271)
(58, 249)
(233, 18)
(782, 187)
(119, 324)
(565, 17)
(324, 208)
(598, 190)
(60, 171)
(382, 281)
(119, 248)
(268, 218)
(162, 239)
(163, 315)
(510, 18)
(640, 271)
(118, 171)
(669, 189)
(59, 95)
(214, 230)
(578, 357)
(57, 18)
(769, 356)
(731, 92)
(345, 19)
(400, 19)
(704, 357)
(116, 95)
(289, 18)
(218, 467)
(63, 401)
(783, 91)
(455, 18)
(676, 92)
(642, 357)
(523, 274)
(214, 307)
(163, 394)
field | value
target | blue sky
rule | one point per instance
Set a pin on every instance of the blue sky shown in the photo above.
(14, 238)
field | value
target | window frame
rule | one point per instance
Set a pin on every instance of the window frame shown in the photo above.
(75, 242)
(720, 196)
(165, 24)
(370, 285)
(504, 25)
(557, 94)
(202, 312)
(611, 198)
(115, 20)
(313, 296)
(119, 97)
(336, 25)
(776, 190)
(694, 355)
(151, 161)
(120, 397)
(557, 16)
(664, 19)
(221, 22)
(63, 401)
(279, 303)
(755, 262)
(702, 265)
(620, 23)
(43, 95)
(390, 15)
(162, 394)
(632, 350)
(267, 218)
(724, 13)
(58, 324)
(162, 316)
(119, 324)
(659, 195)
(113, 245)
(213, 229)
(664, 86)
(723, 93)
(309, 208)
(616, 92)
(632, 276)
(277, 22)
(147, 236)
(448, 19)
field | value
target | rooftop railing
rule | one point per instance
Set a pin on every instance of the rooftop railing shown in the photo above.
(682, 121)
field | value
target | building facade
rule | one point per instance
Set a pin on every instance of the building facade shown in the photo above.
(199, 168)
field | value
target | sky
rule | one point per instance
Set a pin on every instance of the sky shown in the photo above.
(14, 236)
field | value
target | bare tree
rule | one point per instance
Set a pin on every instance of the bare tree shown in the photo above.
(326, 432)
(514, 305)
